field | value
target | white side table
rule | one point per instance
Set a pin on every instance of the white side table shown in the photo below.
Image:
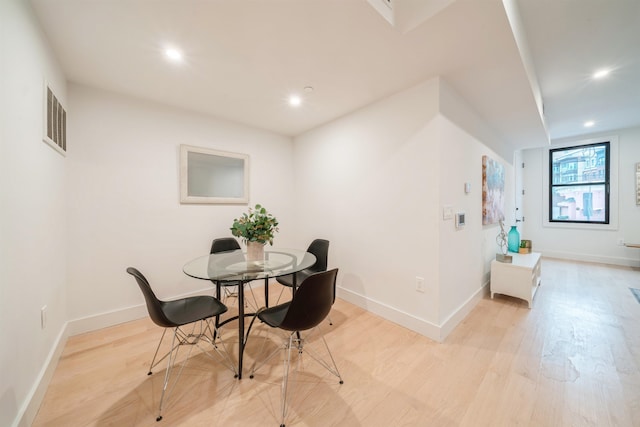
(519, 279)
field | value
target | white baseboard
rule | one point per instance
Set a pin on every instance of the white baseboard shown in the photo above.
(572, 256)
(106, 319)
(114, 317)
(29, 410)
(416, 324)
(70, 328)
(450, 323)
(421, 326)
(75, 327)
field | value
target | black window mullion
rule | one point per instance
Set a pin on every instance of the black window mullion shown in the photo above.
(564, 165)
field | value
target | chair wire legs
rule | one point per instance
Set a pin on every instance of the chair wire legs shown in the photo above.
(296, 343)
(203, 330)
(280, 295)
(173, 354)
(229, 293)
(333, 368)
(285, 380)
(153, 362)
(295, 340)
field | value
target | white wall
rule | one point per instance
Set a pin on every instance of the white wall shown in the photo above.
(582, 243)
(373, 183)
(363, 183)
(33, 222)
(124, 197)
(466, 253)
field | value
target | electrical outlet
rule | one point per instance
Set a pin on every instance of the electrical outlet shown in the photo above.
(620, 241)
(43, 317)
(419, 284)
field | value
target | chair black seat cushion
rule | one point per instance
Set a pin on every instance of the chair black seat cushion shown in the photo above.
(310, 304)
(319, 248)
(274, 316)
(191, 309)
(300, 276)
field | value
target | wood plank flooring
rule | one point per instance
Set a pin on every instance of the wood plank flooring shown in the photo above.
(572, 360)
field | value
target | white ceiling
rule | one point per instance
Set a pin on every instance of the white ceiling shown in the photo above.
(569, 40)
(243, 58)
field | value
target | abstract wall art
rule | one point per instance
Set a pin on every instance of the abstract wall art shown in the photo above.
(492, 191)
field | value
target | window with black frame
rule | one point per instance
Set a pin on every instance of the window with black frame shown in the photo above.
(579, 184)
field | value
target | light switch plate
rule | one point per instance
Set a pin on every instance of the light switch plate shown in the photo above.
(447, 212)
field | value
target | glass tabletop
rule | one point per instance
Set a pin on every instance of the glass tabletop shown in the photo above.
(233, 265)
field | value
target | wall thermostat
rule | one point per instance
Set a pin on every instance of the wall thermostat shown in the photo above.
(460, 219)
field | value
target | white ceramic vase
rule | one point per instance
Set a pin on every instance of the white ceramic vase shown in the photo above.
(255, 252)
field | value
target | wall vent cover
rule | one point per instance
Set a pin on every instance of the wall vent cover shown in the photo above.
(55, 121)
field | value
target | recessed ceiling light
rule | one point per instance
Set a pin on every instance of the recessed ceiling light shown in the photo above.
(308, 89)
(601, 73)
(173, 54)
(295, 100)
(589, 123)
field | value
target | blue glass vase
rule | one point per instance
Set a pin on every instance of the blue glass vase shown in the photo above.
(514, 239)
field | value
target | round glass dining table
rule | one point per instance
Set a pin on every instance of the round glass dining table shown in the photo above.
(232, 268)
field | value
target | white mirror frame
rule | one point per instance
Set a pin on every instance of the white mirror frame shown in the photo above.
(226, 176)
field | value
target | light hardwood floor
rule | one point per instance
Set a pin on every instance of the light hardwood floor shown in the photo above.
(572, 360)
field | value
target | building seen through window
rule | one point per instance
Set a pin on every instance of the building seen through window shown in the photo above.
(579, 184)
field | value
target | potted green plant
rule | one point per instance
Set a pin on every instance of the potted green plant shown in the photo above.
(255, 228)
(525, 247)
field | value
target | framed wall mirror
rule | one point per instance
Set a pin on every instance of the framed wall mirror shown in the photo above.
(212, 176)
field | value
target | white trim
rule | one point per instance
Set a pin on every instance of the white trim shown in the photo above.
(416, 324)
(392, 314)
(31, 405)
(106, 319)
(574, 256)
(614, 208)
(454, 319)
(28, 412)
(122, 315)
